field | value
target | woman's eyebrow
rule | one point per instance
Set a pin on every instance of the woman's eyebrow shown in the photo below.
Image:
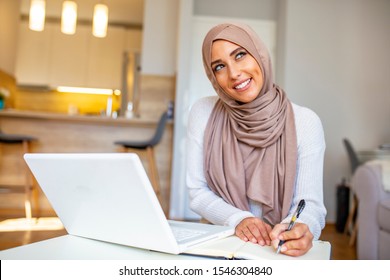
(216, 61)
(231, 54)
(236, 51)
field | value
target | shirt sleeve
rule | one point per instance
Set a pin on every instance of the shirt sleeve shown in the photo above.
(309, 177)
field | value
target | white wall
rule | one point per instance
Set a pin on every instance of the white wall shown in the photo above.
(337, 62)
(247, 9)
(159, 37)
(9, 27)
(179, 199)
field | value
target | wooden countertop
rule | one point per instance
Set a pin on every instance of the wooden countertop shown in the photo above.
(62, 133)
(79, 118)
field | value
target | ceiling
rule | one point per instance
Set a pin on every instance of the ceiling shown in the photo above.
(120, 11)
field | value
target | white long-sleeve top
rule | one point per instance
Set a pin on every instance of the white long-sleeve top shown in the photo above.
(308, 180)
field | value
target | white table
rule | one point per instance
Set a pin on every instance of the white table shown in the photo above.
(69, 247)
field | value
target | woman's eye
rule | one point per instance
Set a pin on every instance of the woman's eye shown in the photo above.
(240, 55)
(218, 67)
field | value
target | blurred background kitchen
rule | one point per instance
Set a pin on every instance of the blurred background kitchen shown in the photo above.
(329, 55)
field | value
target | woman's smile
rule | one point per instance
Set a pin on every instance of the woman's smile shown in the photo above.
(242, 85)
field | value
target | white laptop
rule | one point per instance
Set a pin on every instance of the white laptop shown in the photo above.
(108, 197)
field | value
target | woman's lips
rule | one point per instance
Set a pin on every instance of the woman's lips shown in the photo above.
(242, 85)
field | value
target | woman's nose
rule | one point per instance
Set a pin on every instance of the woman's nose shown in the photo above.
(234, 71)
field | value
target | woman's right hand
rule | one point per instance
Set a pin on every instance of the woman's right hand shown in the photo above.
(254, 230)
(299, 239)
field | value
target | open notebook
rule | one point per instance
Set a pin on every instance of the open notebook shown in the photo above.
(109, 197)
(233, 247)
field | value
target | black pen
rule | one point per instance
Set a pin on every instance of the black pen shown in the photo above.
(300, 207)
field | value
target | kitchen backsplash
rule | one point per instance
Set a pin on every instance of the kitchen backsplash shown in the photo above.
(156, 92)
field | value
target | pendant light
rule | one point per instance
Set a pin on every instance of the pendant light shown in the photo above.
(37, 15)
(100, 20)
(69, 17)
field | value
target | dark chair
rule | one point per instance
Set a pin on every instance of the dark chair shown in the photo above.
(148, 146)
(352, 217)
(29, 187)
(353, 158)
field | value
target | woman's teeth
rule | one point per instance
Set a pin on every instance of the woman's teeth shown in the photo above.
(243, 84)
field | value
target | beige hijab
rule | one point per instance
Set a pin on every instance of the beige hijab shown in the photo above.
(250, 150)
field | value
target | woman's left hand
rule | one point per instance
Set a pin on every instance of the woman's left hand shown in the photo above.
(254, 230)
(299, 239)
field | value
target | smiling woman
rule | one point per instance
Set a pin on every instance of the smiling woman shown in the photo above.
(252, 154)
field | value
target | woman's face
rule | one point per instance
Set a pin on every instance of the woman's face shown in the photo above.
(236, 71)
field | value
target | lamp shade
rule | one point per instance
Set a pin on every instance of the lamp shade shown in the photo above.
(37, 15)
(69, 17)
(100, 20)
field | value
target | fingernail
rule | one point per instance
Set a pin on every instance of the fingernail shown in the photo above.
(262, 242)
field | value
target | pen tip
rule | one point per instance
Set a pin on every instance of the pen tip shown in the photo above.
(278, 250)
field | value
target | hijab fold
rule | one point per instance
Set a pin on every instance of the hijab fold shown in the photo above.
(250, 149)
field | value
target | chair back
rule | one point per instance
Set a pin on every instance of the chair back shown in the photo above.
(159, 130)
(353, 158)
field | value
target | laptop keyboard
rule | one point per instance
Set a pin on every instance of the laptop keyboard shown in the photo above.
(184, 233)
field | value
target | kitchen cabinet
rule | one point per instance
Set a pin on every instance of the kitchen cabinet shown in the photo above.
(133, 40)
(51, 58)
(105, 58)
(33, 56)
(68, 57)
